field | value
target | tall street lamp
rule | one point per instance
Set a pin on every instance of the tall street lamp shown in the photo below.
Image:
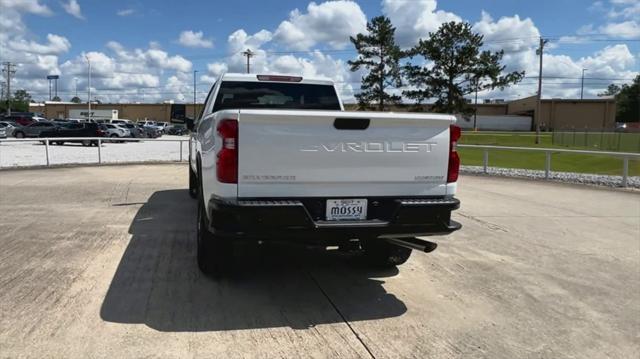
(89, 86)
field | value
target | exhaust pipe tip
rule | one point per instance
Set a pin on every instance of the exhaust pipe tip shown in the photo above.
(414, 243)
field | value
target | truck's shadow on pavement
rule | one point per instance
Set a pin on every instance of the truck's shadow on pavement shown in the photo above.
(157, 282)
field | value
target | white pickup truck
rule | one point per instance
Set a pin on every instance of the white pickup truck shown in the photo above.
(276, 157)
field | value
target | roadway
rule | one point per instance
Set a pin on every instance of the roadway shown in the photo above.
(100, 262)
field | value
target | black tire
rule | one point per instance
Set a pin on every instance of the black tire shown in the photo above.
(193, 183)
(381, 253)
(86, 143)
(19, 134)
(59, 143)
(214, 253)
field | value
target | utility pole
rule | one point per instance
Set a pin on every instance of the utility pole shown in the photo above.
(538, 116)
(475, 112)
(89, 86)
(248, 53)
(49, 89)
(194, 94)
(9, 69)
(76, 81)
(582, 84)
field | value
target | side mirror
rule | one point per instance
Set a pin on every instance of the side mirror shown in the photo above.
(189, 122)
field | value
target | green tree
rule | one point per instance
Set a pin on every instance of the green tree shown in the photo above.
(611, 90)
(628, 102)
(454, 66)
(76, 99)
(19, 102)
(380, 56)
(56, 98)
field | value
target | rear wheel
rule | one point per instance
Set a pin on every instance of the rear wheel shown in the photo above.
(86, 143)
(381, 253)
(59, 143)
(19, 134)
(214, 253)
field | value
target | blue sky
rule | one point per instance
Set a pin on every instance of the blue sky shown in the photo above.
(147, 50)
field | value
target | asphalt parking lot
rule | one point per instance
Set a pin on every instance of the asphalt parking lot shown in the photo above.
(100, 262)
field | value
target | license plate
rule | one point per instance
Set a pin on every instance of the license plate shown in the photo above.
(346, 209)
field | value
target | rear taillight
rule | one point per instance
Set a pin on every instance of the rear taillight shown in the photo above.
(227, 160)
(454, 159)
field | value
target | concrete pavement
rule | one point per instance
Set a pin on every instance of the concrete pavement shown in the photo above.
(100, 262)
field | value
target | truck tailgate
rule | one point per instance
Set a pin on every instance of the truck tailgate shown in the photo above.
(341, 154)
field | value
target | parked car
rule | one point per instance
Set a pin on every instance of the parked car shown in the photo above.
(8, 128)
(113, 131)
(3, 132)
(306, 170)
(149, 131)
(136, 132)
(162, 126)
(127, 133)
(177, 130)
(20, 119)
(34, 129)
(75, 130)
(120, 121)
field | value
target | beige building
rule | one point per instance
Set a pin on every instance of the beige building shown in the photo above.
(556, 114)
(136, 112)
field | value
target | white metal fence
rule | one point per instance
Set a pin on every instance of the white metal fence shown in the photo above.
(182, 152)
(179, 153)
(548, 151)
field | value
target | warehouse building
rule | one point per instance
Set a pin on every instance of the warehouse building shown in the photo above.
(555, 114)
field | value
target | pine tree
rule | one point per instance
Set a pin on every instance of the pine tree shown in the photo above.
(454, 66)
(380, 56)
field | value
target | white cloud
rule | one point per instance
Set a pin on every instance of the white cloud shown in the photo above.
(125, 12)
(626, 29)
(415, 19)
(162, 60)
(331, 22)
(314, 64)
(73, 9)
(194, 39)
(28, 6)
(499, 35)
(56, 45)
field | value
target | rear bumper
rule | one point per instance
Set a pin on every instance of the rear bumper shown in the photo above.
(280, 218)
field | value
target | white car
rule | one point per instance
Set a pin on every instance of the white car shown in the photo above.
(127, 132)
(115, 130)
(7, 128)
(276, 157)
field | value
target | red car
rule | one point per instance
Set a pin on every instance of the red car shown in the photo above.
(22, 119)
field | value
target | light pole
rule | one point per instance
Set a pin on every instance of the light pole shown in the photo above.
(582, 84)
(76, 81)
(89, 86)
(194, 94)
(475, 111)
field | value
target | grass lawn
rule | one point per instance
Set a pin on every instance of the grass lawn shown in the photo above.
(561, 162)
